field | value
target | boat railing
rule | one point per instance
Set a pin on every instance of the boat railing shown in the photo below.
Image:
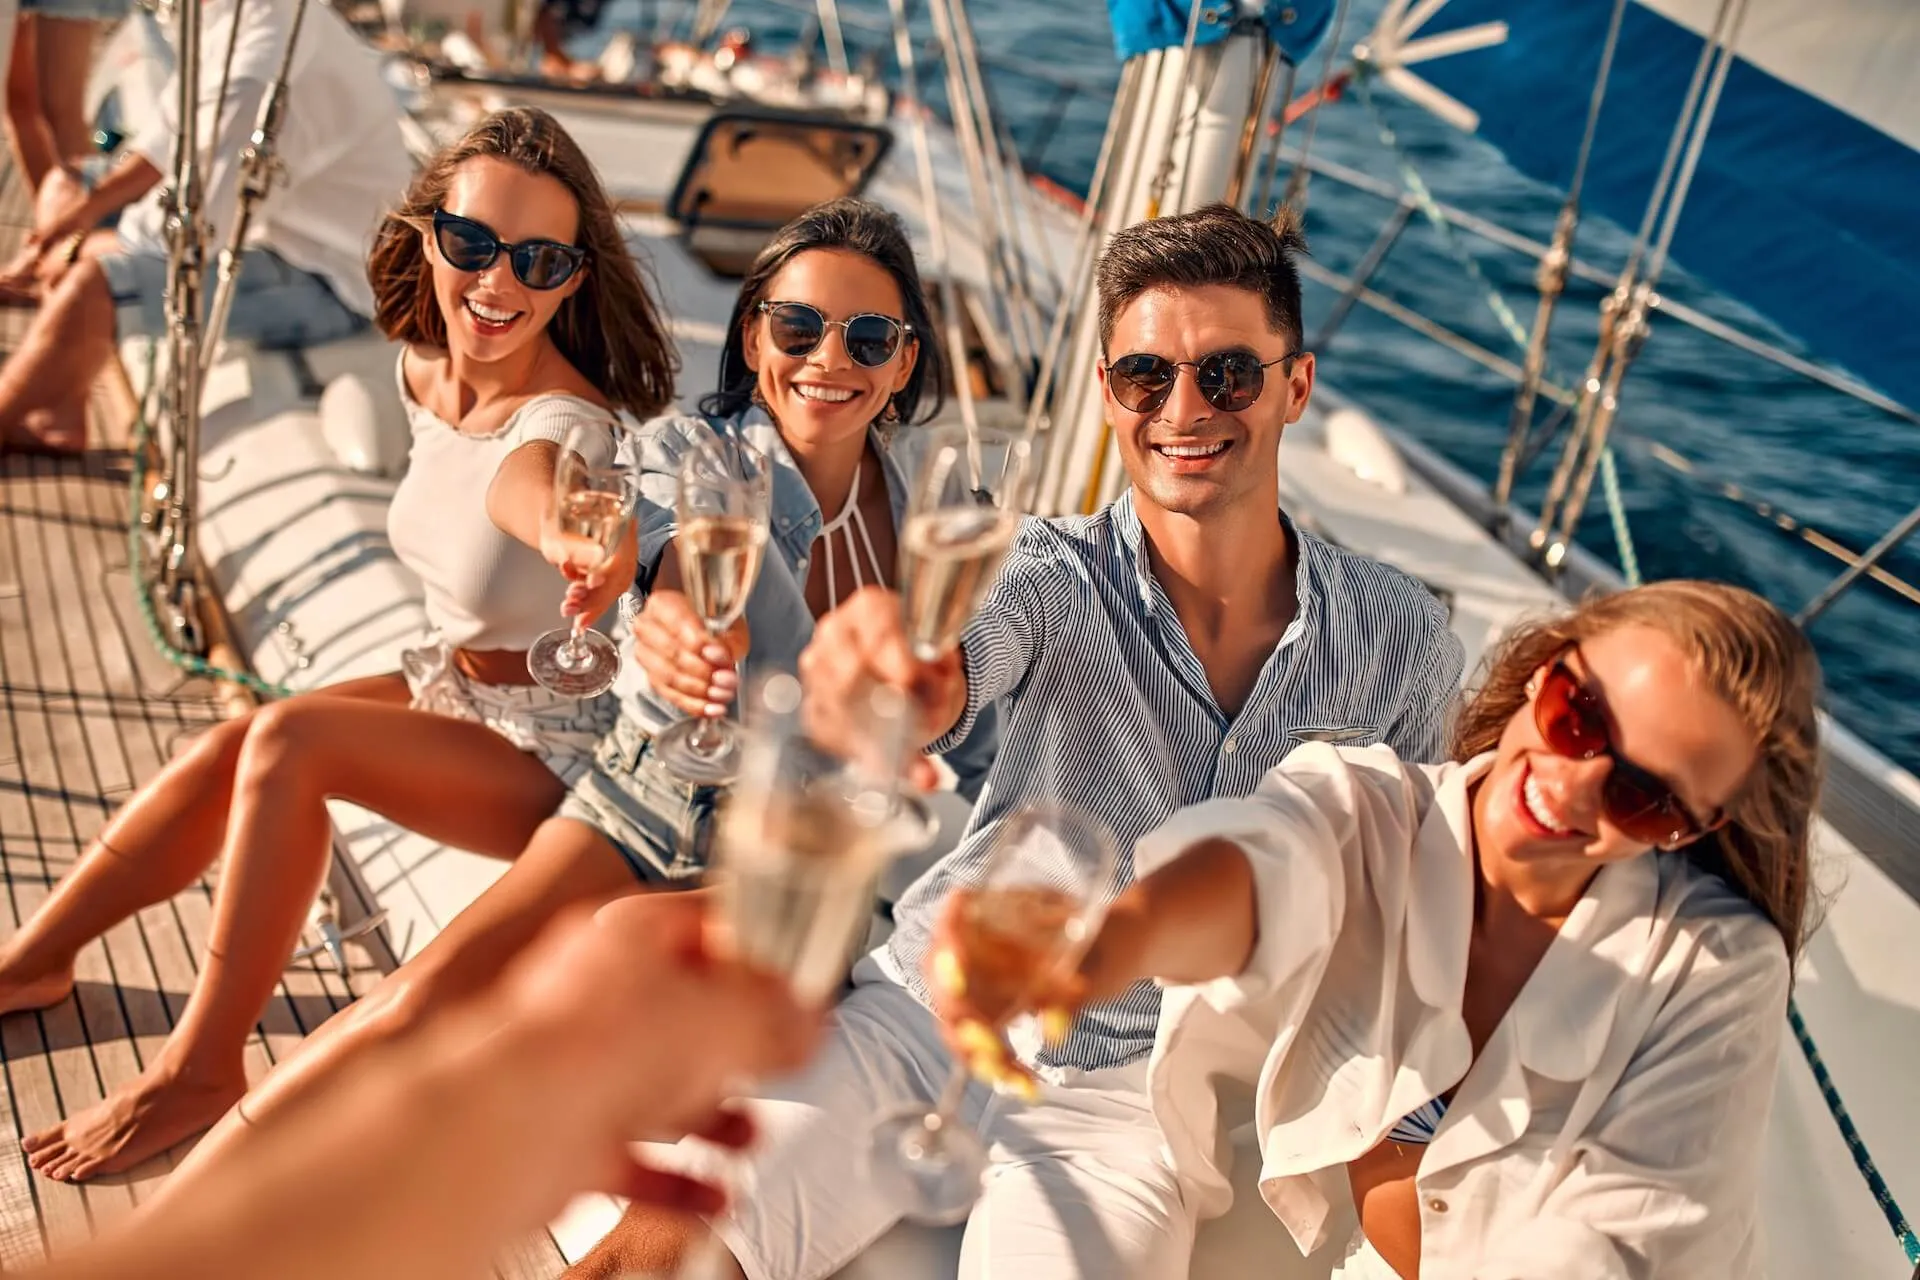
(1354, 288)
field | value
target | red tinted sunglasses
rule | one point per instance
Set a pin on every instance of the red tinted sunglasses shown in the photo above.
(1636, 802)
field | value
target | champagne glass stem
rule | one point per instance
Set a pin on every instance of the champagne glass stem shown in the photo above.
(947, 1110)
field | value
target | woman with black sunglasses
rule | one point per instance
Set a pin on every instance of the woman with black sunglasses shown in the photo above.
(523, 319)
(825, 360)
(1524, 1007)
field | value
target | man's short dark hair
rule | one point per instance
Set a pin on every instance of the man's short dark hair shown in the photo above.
(1213, 245)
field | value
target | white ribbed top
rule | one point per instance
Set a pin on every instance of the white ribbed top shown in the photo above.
(485, 589)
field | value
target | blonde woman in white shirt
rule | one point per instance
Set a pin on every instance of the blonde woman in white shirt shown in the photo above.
(1523, 1008)
(523, 315)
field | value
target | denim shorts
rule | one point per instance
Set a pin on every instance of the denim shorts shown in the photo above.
(275, 305)
(79, 10)
(662, 826)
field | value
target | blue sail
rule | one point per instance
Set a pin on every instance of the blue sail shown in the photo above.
(1806, 205)
(1140, 26)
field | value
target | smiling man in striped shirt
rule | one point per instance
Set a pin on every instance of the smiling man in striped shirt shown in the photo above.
(1167, 649)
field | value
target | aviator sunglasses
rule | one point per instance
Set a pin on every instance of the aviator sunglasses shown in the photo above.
(1229, 380)
(798, 330)
(1637, 803)
(467, 245)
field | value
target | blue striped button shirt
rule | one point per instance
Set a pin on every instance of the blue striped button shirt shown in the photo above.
(1105, 706)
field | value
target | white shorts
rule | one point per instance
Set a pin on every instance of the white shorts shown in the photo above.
(1080, 1185)
(558, 731)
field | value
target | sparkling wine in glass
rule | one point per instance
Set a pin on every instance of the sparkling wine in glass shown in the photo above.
(967, 500)
(798, 849)
(802, 838)
(726, 490)
(1024, 922)
(586, 518)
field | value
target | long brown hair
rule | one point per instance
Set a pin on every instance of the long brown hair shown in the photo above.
(610, 329)
(1751, 656)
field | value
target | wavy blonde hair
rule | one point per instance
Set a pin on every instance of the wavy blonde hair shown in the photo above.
(1752, 657)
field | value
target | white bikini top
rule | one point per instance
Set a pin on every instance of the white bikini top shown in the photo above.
(852, 526)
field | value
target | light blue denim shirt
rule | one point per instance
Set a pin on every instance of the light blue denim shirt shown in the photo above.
(778, 618)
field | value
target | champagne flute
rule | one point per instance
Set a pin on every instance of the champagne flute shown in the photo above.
(802, 837)
(798, 849)
(966, 504)
(586, 518)
(1026, 921)
(725, 501)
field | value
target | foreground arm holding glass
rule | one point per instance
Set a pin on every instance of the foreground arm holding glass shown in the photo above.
(1526, 1007)
(480, 1125)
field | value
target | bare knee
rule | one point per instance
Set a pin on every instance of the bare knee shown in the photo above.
(398, 1006)
(79, 311)
(279, 741)
(219, 747)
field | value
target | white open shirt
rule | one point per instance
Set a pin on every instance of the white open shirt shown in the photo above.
(1613, 1124)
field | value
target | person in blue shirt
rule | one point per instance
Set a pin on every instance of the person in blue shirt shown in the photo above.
(1169, 648)
(821, 400)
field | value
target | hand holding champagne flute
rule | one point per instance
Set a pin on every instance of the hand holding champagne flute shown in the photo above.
(966, 505)
(725, 501)
(1010, 941)
(586, 524)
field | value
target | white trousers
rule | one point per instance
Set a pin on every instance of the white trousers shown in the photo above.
(1080, 1187)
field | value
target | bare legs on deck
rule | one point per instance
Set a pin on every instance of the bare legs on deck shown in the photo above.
(252, 791)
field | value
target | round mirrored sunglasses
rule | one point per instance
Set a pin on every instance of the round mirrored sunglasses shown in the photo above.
(1230, 381)
(798, 329)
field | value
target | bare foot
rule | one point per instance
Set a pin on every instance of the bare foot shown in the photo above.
(19, 270)
(35, 993)
(140, 1120)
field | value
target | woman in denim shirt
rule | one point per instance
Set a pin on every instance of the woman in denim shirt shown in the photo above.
(822, 401)
(629, 824)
